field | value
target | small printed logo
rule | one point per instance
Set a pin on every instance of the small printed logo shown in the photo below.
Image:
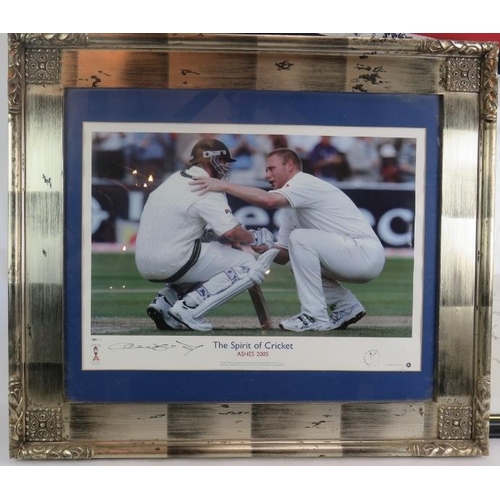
(203, 292)
(96, 360)
(231, 274)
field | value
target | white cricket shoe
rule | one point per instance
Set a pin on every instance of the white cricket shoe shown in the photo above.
(181, 312)
(347, 315)
(303, 322)
(158, 312)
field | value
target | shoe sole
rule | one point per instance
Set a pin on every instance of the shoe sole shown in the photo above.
(304, 329)
(179, 319)
(157, 317)
(351, 321)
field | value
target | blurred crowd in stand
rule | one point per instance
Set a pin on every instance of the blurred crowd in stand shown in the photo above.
(141, 158)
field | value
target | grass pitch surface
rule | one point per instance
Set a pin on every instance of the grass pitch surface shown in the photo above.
(120, 297)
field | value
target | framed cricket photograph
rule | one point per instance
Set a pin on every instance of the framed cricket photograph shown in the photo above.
(292, 258)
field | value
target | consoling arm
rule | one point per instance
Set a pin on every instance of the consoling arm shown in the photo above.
(252, 195)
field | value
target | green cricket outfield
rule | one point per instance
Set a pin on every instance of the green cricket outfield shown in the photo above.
(120, 296)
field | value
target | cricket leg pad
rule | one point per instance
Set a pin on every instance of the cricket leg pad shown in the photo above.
(224, 286)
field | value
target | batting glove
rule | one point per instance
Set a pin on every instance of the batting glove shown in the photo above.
(262, 236)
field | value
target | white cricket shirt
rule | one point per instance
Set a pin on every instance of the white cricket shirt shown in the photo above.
(316, 204)
(173, 219)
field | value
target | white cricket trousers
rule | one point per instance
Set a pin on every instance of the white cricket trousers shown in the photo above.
(215, 258)
(320, 261)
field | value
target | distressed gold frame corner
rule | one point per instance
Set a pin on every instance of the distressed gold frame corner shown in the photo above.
(44, 425)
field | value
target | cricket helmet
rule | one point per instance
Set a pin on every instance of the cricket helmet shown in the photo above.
(217, 154)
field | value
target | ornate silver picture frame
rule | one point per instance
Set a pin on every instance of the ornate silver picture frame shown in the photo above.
(47, 423)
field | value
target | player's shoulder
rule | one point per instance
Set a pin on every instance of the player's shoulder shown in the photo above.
(171, 182)
(305, 179)
(298, 179)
